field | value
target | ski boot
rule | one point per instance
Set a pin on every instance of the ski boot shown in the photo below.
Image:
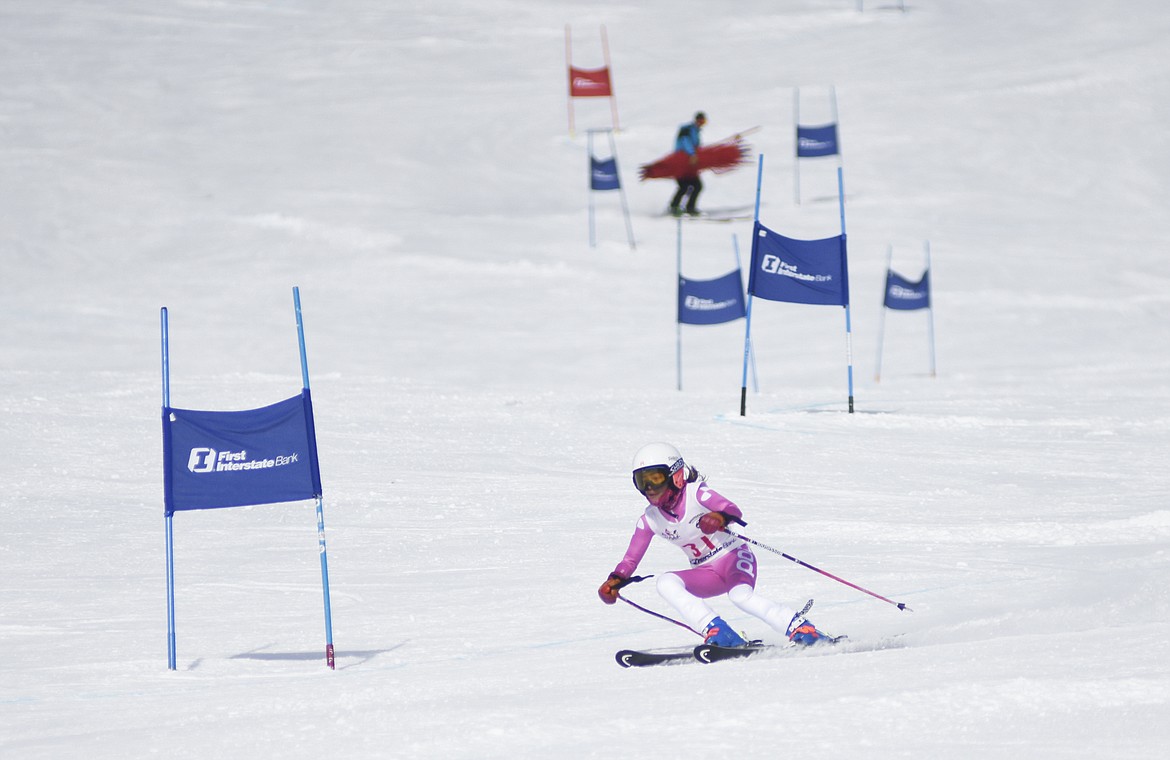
(719, 633)
(802, 631)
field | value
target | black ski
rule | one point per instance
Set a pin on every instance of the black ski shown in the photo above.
(717, 217)
(634, 658)
(711, 653)
(708, 653)
(711, 217)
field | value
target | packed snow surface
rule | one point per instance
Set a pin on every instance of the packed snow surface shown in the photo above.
(482, 376)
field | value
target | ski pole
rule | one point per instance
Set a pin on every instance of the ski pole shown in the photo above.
(660, 616)
(802, 563)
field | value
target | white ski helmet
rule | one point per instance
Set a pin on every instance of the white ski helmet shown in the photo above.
(656, 456)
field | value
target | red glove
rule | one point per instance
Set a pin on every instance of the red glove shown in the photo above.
(609, 590)
(712, 522)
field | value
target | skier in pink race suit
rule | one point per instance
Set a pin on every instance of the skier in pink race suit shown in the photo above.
(683, 510)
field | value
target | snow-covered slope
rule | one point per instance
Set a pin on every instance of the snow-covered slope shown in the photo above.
(482, 376)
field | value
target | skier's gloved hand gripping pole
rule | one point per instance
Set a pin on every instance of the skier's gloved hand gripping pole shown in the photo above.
(802, 563)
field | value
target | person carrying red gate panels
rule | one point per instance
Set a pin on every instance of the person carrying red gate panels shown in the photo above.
(689, 184)
(690, 157)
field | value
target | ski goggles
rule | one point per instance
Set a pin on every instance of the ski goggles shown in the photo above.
(651, 478)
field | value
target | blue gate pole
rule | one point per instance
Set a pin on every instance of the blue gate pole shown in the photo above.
(170, 534)
(747, 338)
(930, 307)
(751, 355)
(589, 174)
(877, 375)
(796, 153)
(320, 507)
(845, 269)
(678, 310)
(621, 192)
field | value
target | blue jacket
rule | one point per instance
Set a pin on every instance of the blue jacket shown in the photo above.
(688, 138)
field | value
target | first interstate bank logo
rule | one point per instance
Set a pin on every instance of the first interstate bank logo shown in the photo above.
(210, 460)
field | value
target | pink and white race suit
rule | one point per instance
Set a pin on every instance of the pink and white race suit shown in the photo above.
(720, 563)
